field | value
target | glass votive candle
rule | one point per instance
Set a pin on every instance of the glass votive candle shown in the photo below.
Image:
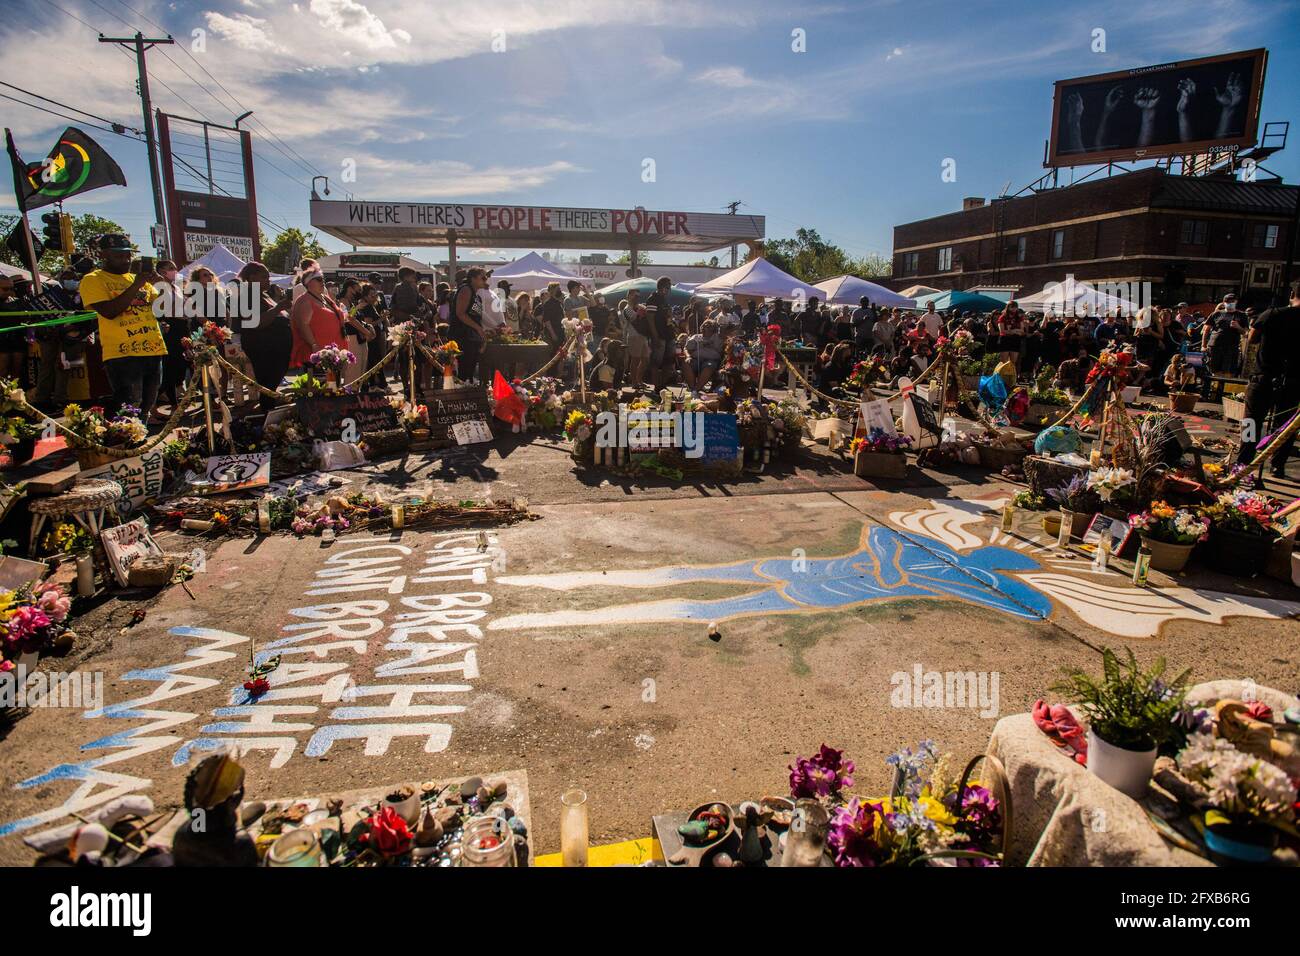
(573, 827)
(399, 515)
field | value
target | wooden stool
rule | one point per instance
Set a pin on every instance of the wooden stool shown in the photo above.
(89, 503)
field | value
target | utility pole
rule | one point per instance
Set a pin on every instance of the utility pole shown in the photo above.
(733, 206)
(141, 43)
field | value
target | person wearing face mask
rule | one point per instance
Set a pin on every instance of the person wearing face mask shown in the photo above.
(1221, 338)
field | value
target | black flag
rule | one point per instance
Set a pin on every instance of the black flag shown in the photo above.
(75, 165)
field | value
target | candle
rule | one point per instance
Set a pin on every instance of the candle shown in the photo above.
(399, 515)
(85, 575)
(195, 524)
(573, 828)
(264, 515)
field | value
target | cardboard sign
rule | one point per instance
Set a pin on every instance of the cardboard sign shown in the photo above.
(126, 544)
(721, 440)
(323, 415)
(312, 483)
(878, 415)
(141, 479)
(232, 473)
(449, 406)
(471, 433)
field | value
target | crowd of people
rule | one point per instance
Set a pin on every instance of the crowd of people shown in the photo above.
(134, 354)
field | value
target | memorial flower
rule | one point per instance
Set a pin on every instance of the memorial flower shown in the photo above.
(880, 442)
(824, 774)
(1164, 522)
(331, 359)
(1238, 785)
(860, 835)
(1248, 511)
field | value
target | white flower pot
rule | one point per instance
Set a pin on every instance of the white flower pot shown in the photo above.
(1128, 771)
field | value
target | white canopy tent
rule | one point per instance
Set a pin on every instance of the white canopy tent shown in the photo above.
(849, 290)
(226, 265)
(759, 279)
(1075, 298)
(532, 273)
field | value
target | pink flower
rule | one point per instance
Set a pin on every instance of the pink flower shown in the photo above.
(51, 599)
(27, 628)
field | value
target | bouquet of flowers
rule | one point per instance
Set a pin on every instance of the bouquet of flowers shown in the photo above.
(446, 353)
(67, 537)
(867, 373)
(1075, 495)
(1248, 511)
(926, 814)
(1106, 481)
(414, 416)
(32, 618)
(506, 336)
(404, 332)
(1163, 522)
(1240, 787)
(205, 343)
(880, 442)
(91, 426)
(577, 427)
(331, 360)
(961, 343)
(744, 357)
(1115, 365)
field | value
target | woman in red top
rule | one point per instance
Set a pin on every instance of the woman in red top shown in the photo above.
(1011, 329)
(316, 320)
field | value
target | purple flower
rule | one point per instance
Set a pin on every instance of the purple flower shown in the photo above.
(824, 774)
(978, 816)
(853, 834)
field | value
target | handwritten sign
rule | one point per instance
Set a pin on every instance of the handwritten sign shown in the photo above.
(925, 415)
(232, 473)
(126, 544)
(721, 440)
(141, 479)
(449, 406)
(877, 415)
(471, 433)
(324, 415)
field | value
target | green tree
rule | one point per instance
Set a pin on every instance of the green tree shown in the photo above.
(872, 266)
(807, 256)
(626, 259)
(84, 230)
(280, 256)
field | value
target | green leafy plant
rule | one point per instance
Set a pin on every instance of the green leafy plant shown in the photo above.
(1127, 706)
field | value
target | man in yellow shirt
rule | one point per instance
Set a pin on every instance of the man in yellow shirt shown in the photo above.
(129, 334)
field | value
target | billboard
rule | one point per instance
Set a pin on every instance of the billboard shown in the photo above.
(1173, 109)
(208, 189)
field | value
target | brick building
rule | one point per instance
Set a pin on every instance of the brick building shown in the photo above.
(1192, 238)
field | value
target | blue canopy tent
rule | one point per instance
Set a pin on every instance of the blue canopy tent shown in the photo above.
(961, 301)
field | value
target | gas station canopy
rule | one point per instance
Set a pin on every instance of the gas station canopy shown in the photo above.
(435, 224)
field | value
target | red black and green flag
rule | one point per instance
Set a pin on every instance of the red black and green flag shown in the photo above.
(75, 165)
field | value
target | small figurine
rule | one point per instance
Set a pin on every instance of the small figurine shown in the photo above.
(211, 836)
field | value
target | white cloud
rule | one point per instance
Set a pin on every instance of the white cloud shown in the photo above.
(246, 32)
(896, 52)
(391, 177)
(356, 22)
(728, 77)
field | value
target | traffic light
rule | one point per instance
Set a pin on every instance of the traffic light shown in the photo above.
(57, 234)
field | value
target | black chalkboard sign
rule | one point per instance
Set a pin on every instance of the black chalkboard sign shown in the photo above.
(324, 415)
(925, 415)
(449, 406)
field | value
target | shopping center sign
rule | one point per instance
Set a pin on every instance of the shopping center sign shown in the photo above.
(414, 224)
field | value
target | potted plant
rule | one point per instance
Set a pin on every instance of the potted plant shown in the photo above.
(1241, 532)
(1078, 503)
(880, 455)
(1169, 533)
(579, 428)
(34, 619)
(1131, 712)
(1183, 402)
(1244, 797)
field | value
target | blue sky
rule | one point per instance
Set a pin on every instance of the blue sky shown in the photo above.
(848, 137)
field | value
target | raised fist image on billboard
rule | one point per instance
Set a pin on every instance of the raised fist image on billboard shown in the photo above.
(1171, 109)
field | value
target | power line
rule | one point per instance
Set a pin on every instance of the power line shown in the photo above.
(71, 119)
(102, 119)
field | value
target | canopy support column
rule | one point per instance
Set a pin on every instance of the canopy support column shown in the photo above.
(451, 258)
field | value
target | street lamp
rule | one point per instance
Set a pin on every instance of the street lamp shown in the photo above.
(241, 117)
(313, 186)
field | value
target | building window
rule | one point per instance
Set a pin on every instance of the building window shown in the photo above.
(1021, 247)
(945, 259)
(1058, 243)
(911, 262)
(1265, 236)
(1194, 232)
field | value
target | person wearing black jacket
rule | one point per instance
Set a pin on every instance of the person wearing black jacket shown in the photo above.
(1274, 389)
